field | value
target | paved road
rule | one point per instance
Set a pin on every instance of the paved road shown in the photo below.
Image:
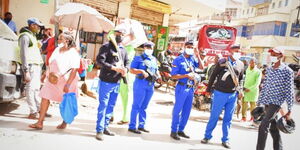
(15, 135)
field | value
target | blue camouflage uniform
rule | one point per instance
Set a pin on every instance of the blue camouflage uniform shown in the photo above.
(143, 89)
(183, 93)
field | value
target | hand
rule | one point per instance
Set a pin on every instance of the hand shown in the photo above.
(159, 80)
(66, 88)
(208, 94)
(287, 116)
(27, 77)
(246, 90)
(43, 77)
(241, 95)
(191, 76)
(118, 69)
(123, 72)
(145, 74)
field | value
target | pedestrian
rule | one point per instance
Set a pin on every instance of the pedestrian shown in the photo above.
(114, 64)
(278, 88)
(146, 70)
(183, 70)
(251, 88)
(8, 20)
(64, 62)
(228, 73)
(31, 61)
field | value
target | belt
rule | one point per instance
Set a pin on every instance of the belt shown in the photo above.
(187, 85)
(140, 77)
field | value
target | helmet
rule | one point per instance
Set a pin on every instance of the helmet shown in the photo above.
(258, 113)
(286, 126)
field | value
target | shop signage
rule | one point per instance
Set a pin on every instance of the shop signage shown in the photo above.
(155, 6)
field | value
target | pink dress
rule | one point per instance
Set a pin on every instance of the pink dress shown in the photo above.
(55, 92)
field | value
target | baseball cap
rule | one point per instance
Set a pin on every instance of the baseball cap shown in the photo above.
(148, 44)
(276, 50)
(33, 20)
(120, 28)
(189, 43)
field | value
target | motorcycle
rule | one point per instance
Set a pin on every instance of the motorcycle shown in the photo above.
(166, 78)
(201, 101)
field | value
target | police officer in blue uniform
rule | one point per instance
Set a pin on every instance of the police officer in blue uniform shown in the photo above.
(146, 70)
(114, 64)
(183, 70)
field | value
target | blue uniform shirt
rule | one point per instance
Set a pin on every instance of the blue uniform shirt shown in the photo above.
(139, 63)
(181, 66)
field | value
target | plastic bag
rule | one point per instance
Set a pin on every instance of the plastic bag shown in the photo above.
(68, 107)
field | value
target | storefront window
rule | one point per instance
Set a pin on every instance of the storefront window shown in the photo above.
(150, 32)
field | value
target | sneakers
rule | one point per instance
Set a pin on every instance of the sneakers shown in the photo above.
(135, 131)
(182, 134)
(175, 136)
(204, 141)
(226, 145)
(99, 136)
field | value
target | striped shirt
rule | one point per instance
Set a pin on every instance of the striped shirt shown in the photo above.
(278, 87)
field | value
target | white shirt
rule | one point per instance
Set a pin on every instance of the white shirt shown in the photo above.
(65, 60)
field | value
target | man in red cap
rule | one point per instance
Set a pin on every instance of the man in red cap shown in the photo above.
(278, 87)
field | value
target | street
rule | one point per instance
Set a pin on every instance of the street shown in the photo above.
(15, 134)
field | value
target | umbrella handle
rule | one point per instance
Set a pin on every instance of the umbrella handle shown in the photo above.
(77, 30)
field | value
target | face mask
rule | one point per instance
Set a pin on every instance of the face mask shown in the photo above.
(273, 59)
(119, 38)
(61, 45)
(148, 52)
(236, 56)
(189, 51)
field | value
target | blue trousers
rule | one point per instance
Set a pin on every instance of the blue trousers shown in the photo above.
(182, 107)
(142, 94)
(221, 100)
(108, 93)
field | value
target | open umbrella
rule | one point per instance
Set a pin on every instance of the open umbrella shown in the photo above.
(81, 17)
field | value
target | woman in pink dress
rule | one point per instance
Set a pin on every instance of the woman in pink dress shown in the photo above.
(64, 61)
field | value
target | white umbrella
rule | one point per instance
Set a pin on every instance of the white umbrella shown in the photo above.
(136, 31)
(81, 17)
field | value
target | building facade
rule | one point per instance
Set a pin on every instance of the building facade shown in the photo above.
(263, 24)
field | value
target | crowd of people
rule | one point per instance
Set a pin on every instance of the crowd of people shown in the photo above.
(229, 82)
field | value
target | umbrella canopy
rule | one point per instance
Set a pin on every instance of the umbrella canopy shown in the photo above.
(81, 17)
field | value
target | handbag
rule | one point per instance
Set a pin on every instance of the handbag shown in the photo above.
(53, 77)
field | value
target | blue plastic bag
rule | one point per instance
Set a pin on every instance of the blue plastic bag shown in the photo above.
(68, 107)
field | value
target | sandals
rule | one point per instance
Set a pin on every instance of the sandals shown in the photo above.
(122, 122)
(36, 126)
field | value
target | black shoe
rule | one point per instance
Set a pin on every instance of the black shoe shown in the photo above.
(107, 132)
(226, 145)
(135, 131)
(175, 136)
(144, 130)
(99, 136)
(182, 134)
(204, 141)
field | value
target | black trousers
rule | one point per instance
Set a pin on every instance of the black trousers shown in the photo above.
(269, 124)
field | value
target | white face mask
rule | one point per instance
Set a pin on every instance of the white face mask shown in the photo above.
(236, 56)
(189, 51)
(273, 59)
(148, 52)
(61, 45)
